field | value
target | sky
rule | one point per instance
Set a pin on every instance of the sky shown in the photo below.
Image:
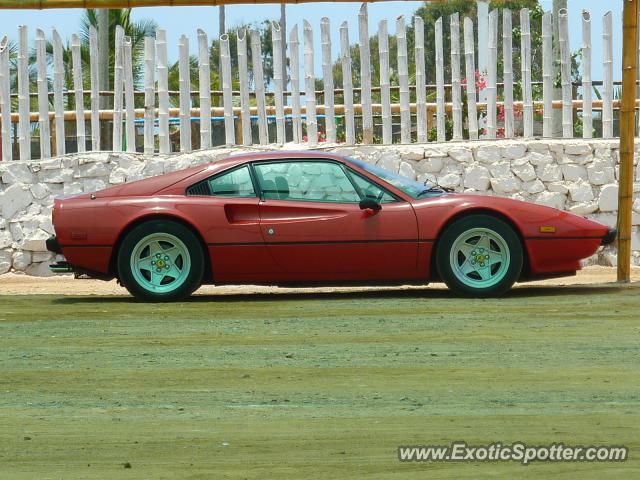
(186, 20)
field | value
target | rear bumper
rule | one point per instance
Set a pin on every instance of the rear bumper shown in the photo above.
(53, 245)
(609, 237)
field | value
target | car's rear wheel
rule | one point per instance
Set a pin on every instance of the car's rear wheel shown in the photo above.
(479, 256)
(160, 261)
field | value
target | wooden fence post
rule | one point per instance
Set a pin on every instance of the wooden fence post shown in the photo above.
(456, 87)
(94, 66)
(365, 75)
(227, 94)
(118, 80)
(525, 62)
(440, 111)
(294, 48)
(385, 92)
(469, 47)
(24, 126)
(345, 57)
(163, 93)
(310, 85)
(421, 92)
(327, 78)
(258, 78)
(547, 75)
(278, 80)
(243, 73)
(403, 80)
(587, 93)
(204, 81)
(185, 94)
(149, 94)
(5, 100)
(43, 96)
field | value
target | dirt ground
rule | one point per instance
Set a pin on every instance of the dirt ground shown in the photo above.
(239, 383)
(17, 284)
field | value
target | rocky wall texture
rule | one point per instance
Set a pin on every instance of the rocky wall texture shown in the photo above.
(573, 175)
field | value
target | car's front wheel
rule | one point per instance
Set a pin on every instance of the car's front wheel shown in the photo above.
(479, 256)
(160, 261)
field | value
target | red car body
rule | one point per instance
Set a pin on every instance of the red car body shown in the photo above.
(253, 240)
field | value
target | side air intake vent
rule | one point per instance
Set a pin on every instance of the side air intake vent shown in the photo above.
(201, 188)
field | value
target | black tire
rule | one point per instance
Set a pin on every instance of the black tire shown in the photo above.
(468, 267)
(161, 261)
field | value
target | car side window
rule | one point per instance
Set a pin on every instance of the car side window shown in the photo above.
(368, 189)
(311, 181)
(236, 183)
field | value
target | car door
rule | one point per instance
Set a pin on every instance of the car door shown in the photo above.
(314, 228)
(226, 208)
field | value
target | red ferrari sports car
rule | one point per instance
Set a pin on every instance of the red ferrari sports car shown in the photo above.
(311, 217)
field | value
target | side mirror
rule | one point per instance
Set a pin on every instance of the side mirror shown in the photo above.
(369, 204)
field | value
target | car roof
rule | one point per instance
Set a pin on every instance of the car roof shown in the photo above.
(275, 155)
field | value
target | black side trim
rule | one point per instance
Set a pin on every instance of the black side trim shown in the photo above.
(339, 242)
(86, 246)
(562, 238)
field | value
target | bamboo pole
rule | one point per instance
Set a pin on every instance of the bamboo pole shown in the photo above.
(43, 96)
(310, 80)
(607, 60)
(5, 100)
(470, 70)
(278, 80)
(440, 122)
(525, 55)
(565, 74)
(243, 73)
(204, 81)
(421, 93)
(163, 95)
(94, 67)
(327, 78)
(81, 138)
(118, 80)
(492, 75)
(128, 94)
(258, 78)
(58, 80)
(150, 94)
(385, 92)
(403, 80)
(294, 48)
(507, 53)
(627, 137)
(547, 74)
(185, 99)
(456, 87)
(345, 58)
(587, 94)
(365, 74)
(24, 126)
(225, 57)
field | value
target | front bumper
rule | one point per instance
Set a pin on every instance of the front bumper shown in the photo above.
(53, 245)
(609, 237)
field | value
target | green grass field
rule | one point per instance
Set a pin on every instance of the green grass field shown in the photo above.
(315, 385)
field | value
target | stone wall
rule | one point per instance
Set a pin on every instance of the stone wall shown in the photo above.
(573, 175)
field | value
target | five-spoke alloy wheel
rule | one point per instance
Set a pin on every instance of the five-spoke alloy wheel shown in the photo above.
(160, 260)
(479, 256)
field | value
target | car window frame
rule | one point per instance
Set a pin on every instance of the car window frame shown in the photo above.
(345, 168)
(220, 174)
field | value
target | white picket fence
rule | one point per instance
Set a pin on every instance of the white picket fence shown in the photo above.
(300, 109)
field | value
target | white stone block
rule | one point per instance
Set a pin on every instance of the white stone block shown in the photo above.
(462, 155)
(93, 184)
(584, 208)
(96, 170)
(600, 173)
(5, 261)
(488, 154)
(6, 239)
(572, 172)
(39, 270)
(581, 191)
(549, 172)
(35, 245)
(390, 162)
(14, 199)
(451, 180)
(72, 188)
(118, 176)
(407, 170)
(551, 199)
(506, 184)
(514, 151)
(608, 201)
(538, 159)
(16, 172)
(43, 257)
(501, 169)
(430, 165)
(577, 149)
(417, 153)
(477, 177)
(39, 191)
(525, 172)
(538, 147)
(21, 260)
(536, 186)
(433, 152)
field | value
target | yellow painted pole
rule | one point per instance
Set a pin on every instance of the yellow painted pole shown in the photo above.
(627, 136)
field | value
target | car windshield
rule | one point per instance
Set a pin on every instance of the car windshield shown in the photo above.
(410, 187)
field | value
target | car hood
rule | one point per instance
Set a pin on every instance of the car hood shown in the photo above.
(527, 217)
